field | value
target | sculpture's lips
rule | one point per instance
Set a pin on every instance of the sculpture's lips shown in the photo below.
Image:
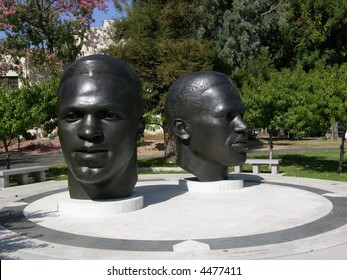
(91, 157)
(92, 154)
(90, 150)
(241, 143)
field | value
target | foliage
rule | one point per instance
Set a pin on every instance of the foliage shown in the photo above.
(15, 120)
(44, 100)
(281, 33)
(160, 40)
(321, 99)
(15, 111)
(43, 36)
(249, 27)
(22, 109)
(300, 102)
(57, 171)
(317, 30)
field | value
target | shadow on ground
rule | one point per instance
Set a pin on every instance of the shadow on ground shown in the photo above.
(310, 163)
(11, 243)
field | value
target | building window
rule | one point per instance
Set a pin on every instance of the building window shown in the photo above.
(10, 82)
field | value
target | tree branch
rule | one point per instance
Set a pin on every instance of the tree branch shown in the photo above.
(267, 12)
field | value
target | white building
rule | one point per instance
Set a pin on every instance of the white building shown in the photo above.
(98, 39)
(11, 77)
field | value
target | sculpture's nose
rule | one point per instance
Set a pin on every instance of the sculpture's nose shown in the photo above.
(90, 128)
(240, 125)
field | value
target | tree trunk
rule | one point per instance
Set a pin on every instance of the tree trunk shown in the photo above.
(7, 152)
(169, 145)
(270, 143)
(334, 131)
(18, 143)
(342, 153)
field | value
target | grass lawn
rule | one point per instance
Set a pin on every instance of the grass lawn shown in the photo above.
(310, 164)
(314, 164)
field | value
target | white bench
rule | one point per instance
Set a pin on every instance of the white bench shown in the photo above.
(22, 175)
(256, 163)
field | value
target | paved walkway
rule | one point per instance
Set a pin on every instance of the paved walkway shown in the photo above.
(25, 160)
(272, 217)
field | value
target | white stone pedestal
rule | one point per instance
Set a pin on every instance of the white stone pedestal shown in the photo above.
(192, 185)
(98, 208)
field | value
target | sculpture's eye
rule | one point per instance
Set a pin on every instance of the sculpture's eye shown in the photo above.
(230, 116)
(109, 116)
(72, 117)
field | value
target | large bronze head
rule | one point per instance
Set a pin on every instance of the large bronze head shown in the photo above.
(204, 113)
(100, 120)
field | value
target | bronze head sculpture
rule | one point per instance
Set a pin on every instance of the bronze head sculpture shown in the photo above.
(204, 112)
(100, 121)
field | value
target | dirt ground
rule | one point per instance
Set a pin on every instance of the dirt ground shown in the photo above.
(151, 147)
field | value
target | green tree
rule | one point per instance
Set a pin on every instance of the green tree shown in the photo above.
(43, 97)
(243, 29)
(21, 109)
(317, 30)
(320, 103)
(15, 119)
(282, 32)
(330, 85)
(301, 102)
(268, 101)
(161, 40)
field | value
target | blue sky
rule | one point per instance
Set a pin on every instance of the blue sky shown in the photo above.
(99, 15)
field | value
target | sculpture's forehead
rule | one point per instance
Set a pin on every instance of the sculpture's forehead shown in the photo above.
(220, 97)
(98, 90)
(100, 84)
(98, 80)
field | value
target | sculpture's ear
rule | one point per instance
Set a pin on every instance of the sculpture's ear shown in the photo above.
(180, 129)
(141, 129)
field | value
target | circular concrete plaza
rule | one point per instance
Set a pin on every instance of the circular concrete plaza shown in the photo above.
(271, 217)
